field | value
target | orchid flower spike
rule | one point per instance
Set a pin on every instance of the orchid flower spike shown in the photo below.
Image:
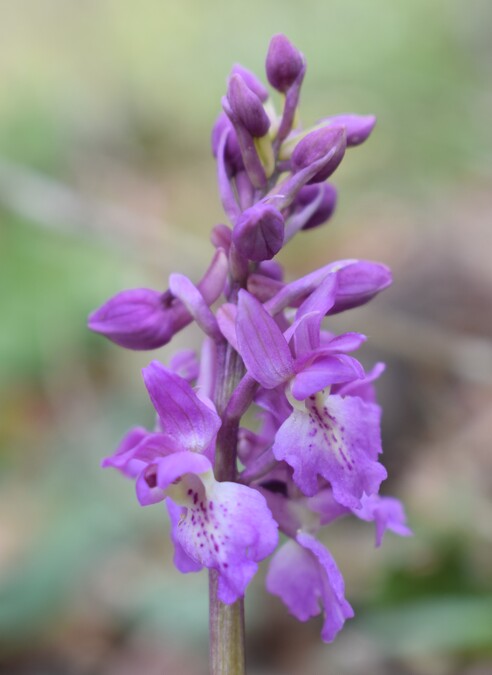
(231, 482)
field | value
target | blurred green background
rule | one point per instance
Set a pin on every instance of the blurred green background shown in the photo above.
(106, 182)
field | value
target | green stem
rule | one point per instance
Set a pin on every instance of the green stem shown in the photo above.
(226, 633)
(226, 622)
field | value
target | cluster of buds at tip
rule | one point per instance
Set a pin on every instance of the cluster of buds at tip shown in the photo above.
(314, 455)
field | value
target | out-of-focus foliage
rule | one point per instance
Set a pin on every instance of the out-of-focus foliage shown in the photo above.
(106, 181)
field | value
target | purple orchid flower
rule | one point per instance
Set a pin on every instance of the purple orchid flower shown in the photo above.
(331, 436)
(315, 584)
(174, 464)
(302, 572)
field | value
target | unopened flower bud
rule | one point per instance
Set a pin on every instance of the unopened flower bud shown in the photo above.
(284, 63)
(326, 206)
(326, 145)
(358, 282)
(251, 80)
(259, 232)
(247, 107)
(139, 318)
(142, 318)
(357, 127)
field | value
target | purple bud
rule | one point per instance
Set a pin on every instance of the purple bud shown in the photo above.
(251, 80)
(283, 63)
(326, 207)
(252, 162)
(328, 144)
(358, 282)
(142, 318)
(233, 157)
(259, 232)
(357, 127)
(136, 319)
(247, 107)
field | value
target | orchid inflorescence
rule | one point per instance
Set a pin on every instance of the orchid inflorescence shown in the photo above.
(314, 455)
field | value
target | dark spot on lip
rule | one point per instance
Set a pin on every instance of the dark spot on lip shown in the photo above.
(275, 486)
(151, 479)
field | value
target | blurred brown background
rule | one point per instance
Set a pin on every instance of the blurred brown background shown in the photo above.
(106, 182)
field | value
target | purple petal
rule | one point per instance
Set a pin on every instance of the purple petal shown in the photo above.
(148, 492)
(287, 512)
(306, 578)
(338, 439)
(177, 465)
(363, 388)
(336, 608)
(123, 458)
(324, 504)
(346, 342)
(261, 343)
(293, 294)
(387, 513)
(324, 372)
(208, 371)
(181, 413)
(226, 318)
(154, 446)
(322, 299)
(182, 561)
(317, 304)
(294, 577)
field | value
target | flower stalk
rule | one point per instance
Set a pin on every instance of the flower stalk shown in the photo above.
(226, 625)
(226, 622)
